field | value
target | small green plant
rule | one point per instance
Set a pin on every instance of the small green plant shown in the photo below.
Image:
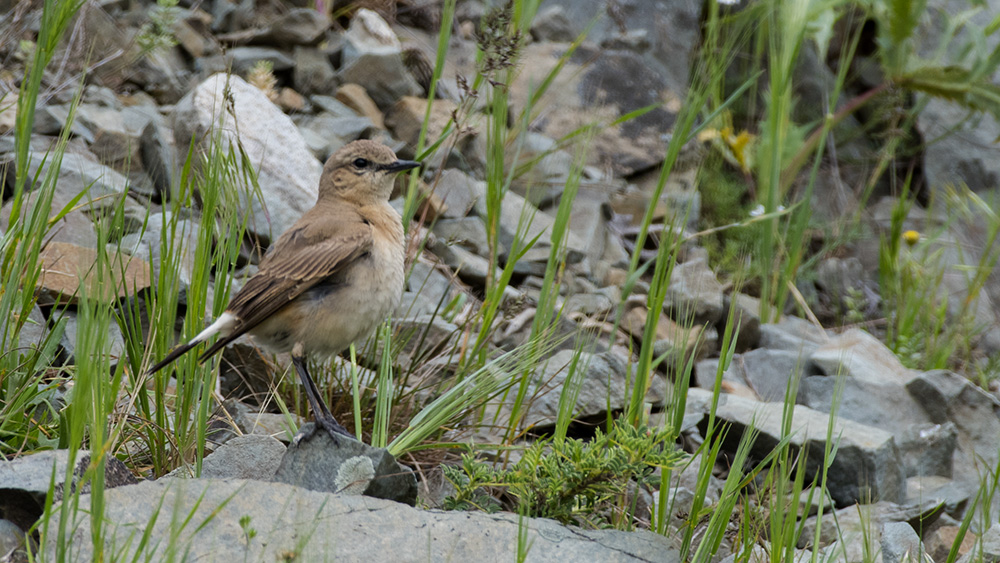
(572, 481)
(158, 32)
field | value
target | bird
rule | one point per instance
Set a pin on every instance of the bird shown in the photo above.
(330, 279)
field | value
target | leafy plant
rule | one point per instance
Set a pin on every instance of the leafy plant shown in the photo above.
(571, 480)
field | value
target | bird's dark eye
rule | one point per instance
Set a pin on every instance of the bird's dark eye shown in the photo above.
(360, 163)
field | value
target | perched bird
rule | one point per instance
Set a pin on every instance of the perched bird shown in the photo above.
(330, 279)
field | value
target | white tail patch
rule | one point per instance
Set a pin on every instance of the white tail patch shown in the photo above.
(223, 325)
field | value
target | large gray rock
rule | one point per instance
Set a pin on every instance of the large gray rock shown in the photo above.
(988, 551)
(288, 173)
(767, 372)
(26, 482)
(949, 397)
(319, 526)
(318, 463)
(867, 466)
(694, 295)
(886, 406)
(861, 356)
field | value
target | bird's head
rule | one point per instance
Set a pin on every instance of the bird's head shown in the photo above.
(362, 172)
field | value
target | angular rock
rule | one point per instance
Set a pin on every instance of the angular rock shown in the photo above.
(767, 372)
(288, 174)
(988, 551)
(68, 270)
(113, 142)
(114, 340)
(952, 497)
(793, 334)
(694, 295)
(928, 449)
(947, 396)
(552, 24)
(316, 462)
(887, 406)
(341, 527)
(860, 355)
(147, 245)
(469, 232)
(243, 457)
(602, 378)
(355, 97)
(243, 59)
(406, 117)
(668, 334)
(313, 73)
(867, 466)
(747, 317)
(299, 26)
(940, 541)
(900, 544)
(373, 59)
(25, 482)
(471, 267)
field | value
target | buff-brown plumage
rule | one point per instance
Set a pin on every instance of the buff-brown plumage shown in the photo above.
(332, 277)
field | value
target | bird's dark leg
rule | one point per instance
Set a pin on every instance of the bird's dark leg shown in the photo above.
(320, 411)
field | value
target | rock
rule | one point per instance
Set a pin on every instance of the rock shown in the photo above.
(299, 26)
(942, 491)
(469, 232)
(114, 340)
(341, 527)
(243, 59)
(422, 337)
(406, 117)
(288, 174)
(900, 544)
(887, 406)
(928, 449)
(8, 111)
(14, 542)
(940, 541)
(947, 396)
(964, 153)
(64, 265)
(313, 73)
(315, 462)
(319, 133)
(26, 482)
(112, 142)
(243, 457)
(373, 59)
(602, 381)
(146, 245)
(792, 334)
(355, 97)
(860, 355)
(767, 372)
(694, 295)
(988, 551)
(471, 267)
(459, 192)
(552, 24)
(159, 157)
(430, 282)
(851, 528)
(33, 332)
(747, 317)
(867, 466)
(669, 335)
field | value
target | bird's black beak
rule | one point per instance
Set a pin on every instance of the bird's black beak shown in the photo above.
(401, 165)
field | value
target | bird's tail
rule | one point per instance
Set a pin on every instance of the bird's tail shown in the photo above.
(173, 355)
(223, 324)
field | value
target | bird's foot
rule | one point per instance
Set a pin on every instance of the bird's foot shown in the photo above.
(333, 428)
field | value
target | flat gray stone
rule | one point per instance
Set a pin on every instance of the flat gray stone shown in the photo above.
(318, 526)
(243, 457)
(867, 466)
(858, 354)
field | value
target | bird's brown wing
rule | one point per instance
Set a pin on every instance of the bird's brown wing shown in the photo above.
(300, 259)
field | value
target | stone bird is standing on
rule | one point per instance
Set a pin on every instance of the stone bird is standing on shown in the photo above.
(331, 278)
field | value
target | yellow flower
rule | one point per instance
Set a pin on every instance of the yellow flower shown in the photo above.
(911, 237)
